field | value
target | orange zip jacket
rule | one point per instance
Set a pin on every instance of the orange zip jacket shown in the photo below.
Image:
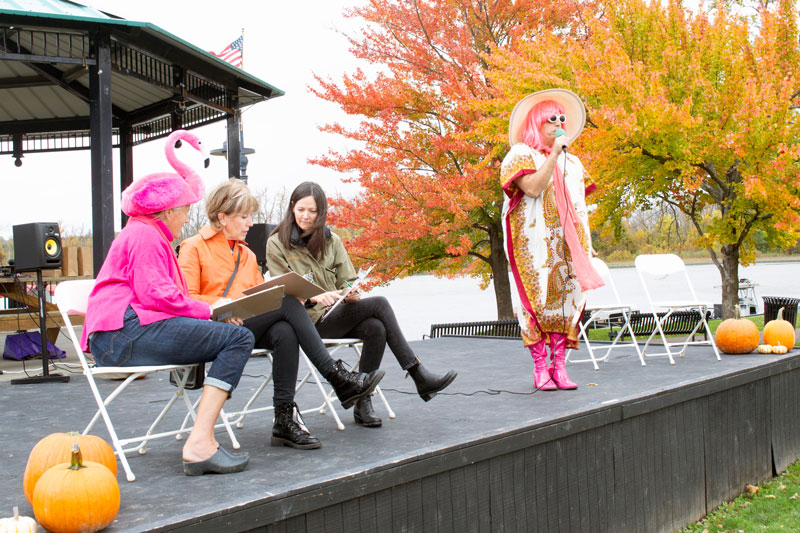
(207, 263)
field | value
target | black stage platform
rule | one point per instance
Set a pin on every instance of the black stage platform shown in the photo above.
(633, 449)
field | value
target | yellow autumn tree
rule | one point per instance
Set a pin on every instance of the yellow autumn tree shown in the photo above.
(693, 110)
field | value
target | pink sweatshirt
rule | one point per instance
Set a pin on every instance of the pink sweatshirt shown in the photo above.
(141, 270)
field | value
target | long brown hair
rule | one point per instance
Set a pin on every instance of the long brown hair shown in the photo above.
(316, 241)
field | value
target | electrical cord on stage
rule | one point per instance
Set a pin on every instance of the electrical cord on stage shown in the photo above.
(488, 392)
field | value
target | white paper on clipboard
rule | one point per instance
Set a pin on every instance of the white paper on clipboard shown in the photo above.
(362, 275)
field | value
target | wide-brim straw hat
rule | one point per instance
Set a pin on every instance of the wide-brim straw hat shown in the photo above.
(569, 101)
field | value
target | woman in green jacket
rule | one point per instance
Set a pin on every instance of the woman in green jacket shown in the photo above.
(304, 244)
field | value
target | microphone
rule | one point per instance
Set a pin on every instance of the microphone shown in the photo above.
(560, 132)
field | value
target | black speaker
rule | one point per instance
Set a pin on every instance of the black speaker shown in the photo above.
(256, 240)
(37, 246)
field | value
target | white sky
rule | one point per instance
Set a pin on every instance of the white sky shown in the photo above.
(285, 43)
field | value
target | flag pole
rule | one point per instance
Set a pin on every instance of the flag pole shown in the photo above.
(243, 156)
(242, 51)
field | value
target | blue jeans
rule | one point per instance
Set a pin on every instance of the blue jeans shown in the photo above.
(177, 341)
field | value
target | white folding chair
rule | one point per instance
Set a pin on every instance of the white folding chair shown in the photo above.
(334, 345)
(666, 276)
(237, 417)
(600, 303)
(72, 298)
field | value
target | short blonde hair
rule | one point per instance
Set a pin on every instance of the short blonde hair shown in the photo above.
(230, 198)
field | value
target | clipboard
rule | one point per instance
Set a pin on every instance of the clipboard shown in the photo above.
(294, 285)
(362, 275)
(250, 306)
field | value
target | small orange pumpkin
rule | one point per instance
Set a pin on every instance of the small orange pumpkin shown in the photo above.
(56, 448)
(79, 496)
(764, 348)
(737, 335)
(779, 331)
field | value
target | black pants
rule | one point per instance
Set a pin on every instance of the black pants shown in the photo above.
(283, 331)
(373, 320)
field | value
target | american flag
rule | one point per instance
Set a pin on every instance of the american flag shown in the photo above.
(233, 52)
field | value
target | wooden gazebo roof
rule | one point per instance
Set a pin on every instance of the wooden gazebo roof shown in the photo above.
(73, 78)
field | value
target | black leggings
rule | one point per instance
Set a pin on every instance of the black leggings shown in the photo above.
(283, 331)
(371, 319)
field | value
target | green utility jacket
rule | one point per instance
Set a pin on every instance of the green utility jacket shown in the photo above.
(332, 272)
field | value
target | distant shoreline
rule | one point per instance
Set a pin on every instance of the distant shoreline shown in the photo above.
(708, 261)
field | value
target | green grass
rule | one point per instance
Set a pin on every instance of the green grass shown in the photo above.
(602, 334)
(775, 507)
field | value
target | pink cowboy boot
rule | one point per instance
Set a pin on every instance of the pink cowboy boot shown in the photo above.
(558, 349)
(541, 376)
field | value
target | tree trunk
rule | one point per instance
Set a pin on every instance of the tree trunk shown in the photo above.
(729, 272)
(502, 287)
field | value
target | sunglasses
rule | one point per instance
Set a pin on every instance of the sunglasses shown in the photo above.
(555, 119)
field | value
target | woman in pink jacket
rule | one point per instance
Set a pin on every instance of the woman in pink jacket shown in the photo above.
(140, 312)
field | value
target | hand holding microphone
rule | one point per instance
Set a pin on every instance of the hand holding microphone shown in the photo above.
(561, 140)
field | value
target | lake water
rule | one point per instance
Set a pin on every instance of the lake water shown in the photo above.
(420, 301)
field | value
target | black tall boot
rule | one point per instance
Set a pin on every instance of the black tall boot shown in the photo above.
(287, 432)
(428, 383)
(365, 415)
(350, 386)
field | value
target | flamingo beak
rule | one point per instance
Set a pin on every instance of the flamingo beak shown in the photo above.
(207, 162)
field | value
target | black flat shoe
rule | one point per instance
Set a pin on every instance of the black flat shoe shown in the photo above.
(222, 462)
(232, 454)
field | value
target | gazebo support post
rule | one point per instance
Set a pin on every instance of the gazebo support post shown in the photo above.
(125, 163)
(101, 139)
(234, 143)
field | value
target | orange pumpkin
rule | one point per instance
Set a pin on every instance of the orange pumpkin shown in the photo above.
(79, 496)
(56, 448)
(737, 335)
(779, 331)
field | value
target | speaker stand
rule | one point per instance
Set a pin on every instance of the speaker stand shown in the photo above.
(46, 376)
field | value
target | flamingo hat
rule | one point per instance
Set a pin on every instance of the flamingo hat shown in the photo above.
(164, 190)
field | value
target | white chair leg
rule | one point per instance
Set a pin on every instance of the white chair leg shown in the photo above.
(711, 338)
(234, 442)
(246, 410)
(326, 401)
(379, 392)
(110, 427)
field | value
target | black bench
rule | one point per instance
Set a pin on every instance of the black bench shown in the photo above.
(679, 322)
(502, 329)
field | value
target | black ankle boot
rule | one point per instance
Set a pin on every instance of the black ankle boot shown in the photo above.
(287, 432)
(428, 383)
(350, 386)
(365, 415)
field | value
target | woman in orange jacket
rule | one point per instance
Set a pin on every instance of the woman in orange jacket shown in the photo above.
(219, 266)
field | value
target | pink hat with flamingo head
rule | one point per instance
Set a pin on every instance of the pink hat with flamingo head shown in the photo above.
(164, 190)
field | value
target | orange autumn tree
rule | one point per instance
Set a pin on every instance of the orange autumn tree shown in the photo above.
(428, 204)
(697, 111)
